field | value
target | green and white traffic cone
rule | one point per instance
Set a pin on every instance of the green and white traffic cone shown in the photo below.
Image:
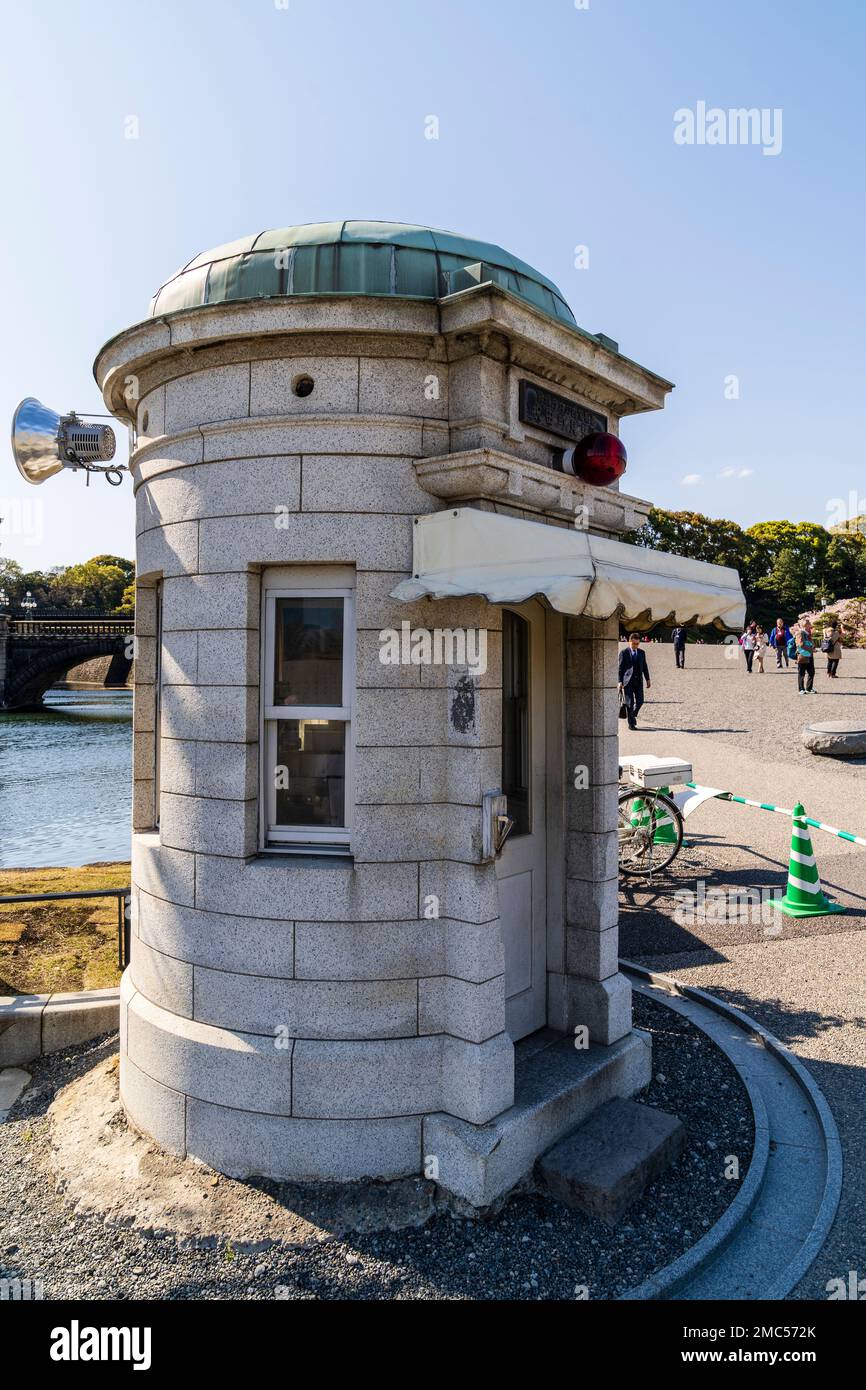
(804, 896)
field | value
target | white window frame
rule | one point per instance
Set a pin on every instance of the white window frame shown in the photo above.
(305, 581)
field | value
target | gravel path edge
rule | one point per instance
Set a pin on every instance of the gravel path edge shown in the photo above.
(667, 1280)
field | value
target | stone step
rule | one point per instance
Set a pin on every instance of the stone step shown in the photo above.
(556, 1088)
(604, 1166)
(13, 1080)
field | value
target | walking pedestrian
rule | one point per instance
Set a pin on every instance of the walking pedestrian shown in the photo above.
(832, 647)
(748, 642)
(679, 637)
(805, 660)
(779, 638)
(761, 648)
(633, 671)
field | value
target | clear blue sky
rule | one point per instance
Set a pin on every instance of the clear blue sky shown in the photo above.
(556, 130)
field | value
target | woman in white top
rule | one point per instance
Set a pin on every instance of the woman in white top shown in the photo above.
(761, 645)
(749, 642)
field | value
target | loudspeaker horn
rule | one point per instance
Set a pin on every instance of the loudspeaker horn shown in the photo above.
(45, 442)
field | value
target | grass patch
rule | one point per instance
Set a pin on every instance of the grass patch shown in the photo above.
(48, 948)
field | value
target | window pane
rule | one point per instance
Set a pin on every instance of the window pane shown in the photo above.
(308, 651)
(515, 719)
(310, 775)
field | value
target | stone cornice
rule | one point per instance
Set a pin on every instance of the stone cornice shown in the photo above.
(550, 349)
(485, 319)
(487, 475)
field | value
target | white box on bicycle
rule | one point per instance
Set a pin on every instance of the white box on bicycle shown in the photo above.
(648, 770)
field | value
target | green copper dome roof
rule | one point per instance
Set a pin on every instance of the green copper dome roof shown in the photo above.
(375, 258)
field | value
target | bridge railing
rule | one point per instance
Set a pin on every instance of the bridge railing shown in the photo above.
(57, 610)
(37, 627)
(67, 624)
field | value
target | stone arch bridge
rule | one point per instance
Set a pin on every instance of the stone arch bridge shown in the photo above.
(39, 649)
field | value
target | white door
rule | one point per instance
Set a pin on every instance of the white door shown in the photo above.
(521, 867)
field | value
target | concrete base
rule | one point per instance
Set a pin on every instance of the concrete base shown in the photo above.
(605, 1165)
(104, 1166)
(21, 1027)
(77, 1017)
(33, 1024)
(557, 1087)
(837, 738)
(13, 1080)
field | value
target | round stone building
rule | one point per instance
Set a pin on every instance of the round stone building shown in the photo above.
(378, 605)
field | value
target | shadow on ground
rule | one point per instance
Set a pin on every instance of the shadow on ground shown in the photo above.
(718, 893)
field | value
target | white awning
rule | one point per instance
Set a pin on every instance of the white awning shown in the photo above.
(467, 551)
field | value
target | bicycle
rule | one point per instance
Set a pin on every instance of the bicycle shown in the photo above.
(649, 829)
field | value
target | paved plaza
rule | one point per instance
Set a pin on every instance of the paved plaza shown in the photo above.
(803, 979)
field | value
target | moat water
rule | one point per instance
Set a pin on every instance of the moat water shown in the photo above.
(65, 780)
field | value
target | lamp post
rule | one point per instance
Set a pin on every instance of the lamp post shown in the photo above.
(28, 601)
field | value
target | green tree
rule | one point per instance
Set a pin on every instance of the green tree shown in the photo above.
(117, 562)
(106, 581)
(89, 585)
(699, 537)
(845, 565)
(784, 566)
(10, 579)
(787, 566)
(37, 583)
(127, 599)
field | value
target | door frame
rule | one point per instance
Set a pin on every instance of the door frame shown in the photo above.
(556, 824)
(553, 635)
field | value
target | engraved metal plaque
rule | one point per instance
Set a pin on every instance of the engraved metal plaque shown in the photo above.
(557, 414)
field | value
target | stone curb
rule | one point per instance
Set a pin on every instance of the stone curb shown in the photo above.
(32, 1025)
(666, 1281)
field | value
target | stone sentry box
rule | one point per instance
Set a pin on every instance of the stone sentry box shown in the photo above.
(338, 1011)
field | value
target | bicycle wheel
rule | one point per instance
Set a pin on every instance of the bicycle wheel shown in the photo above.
(649, 831)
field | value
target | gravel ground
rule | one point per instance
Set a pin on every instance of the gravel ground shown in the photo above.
(803, 979)
(761, 716)
(742, 733)
(812, 995)
(533, 1249)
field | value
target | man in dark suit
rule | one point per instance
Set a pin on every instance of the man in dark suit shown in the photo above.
(633, 671)
(679, 636)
